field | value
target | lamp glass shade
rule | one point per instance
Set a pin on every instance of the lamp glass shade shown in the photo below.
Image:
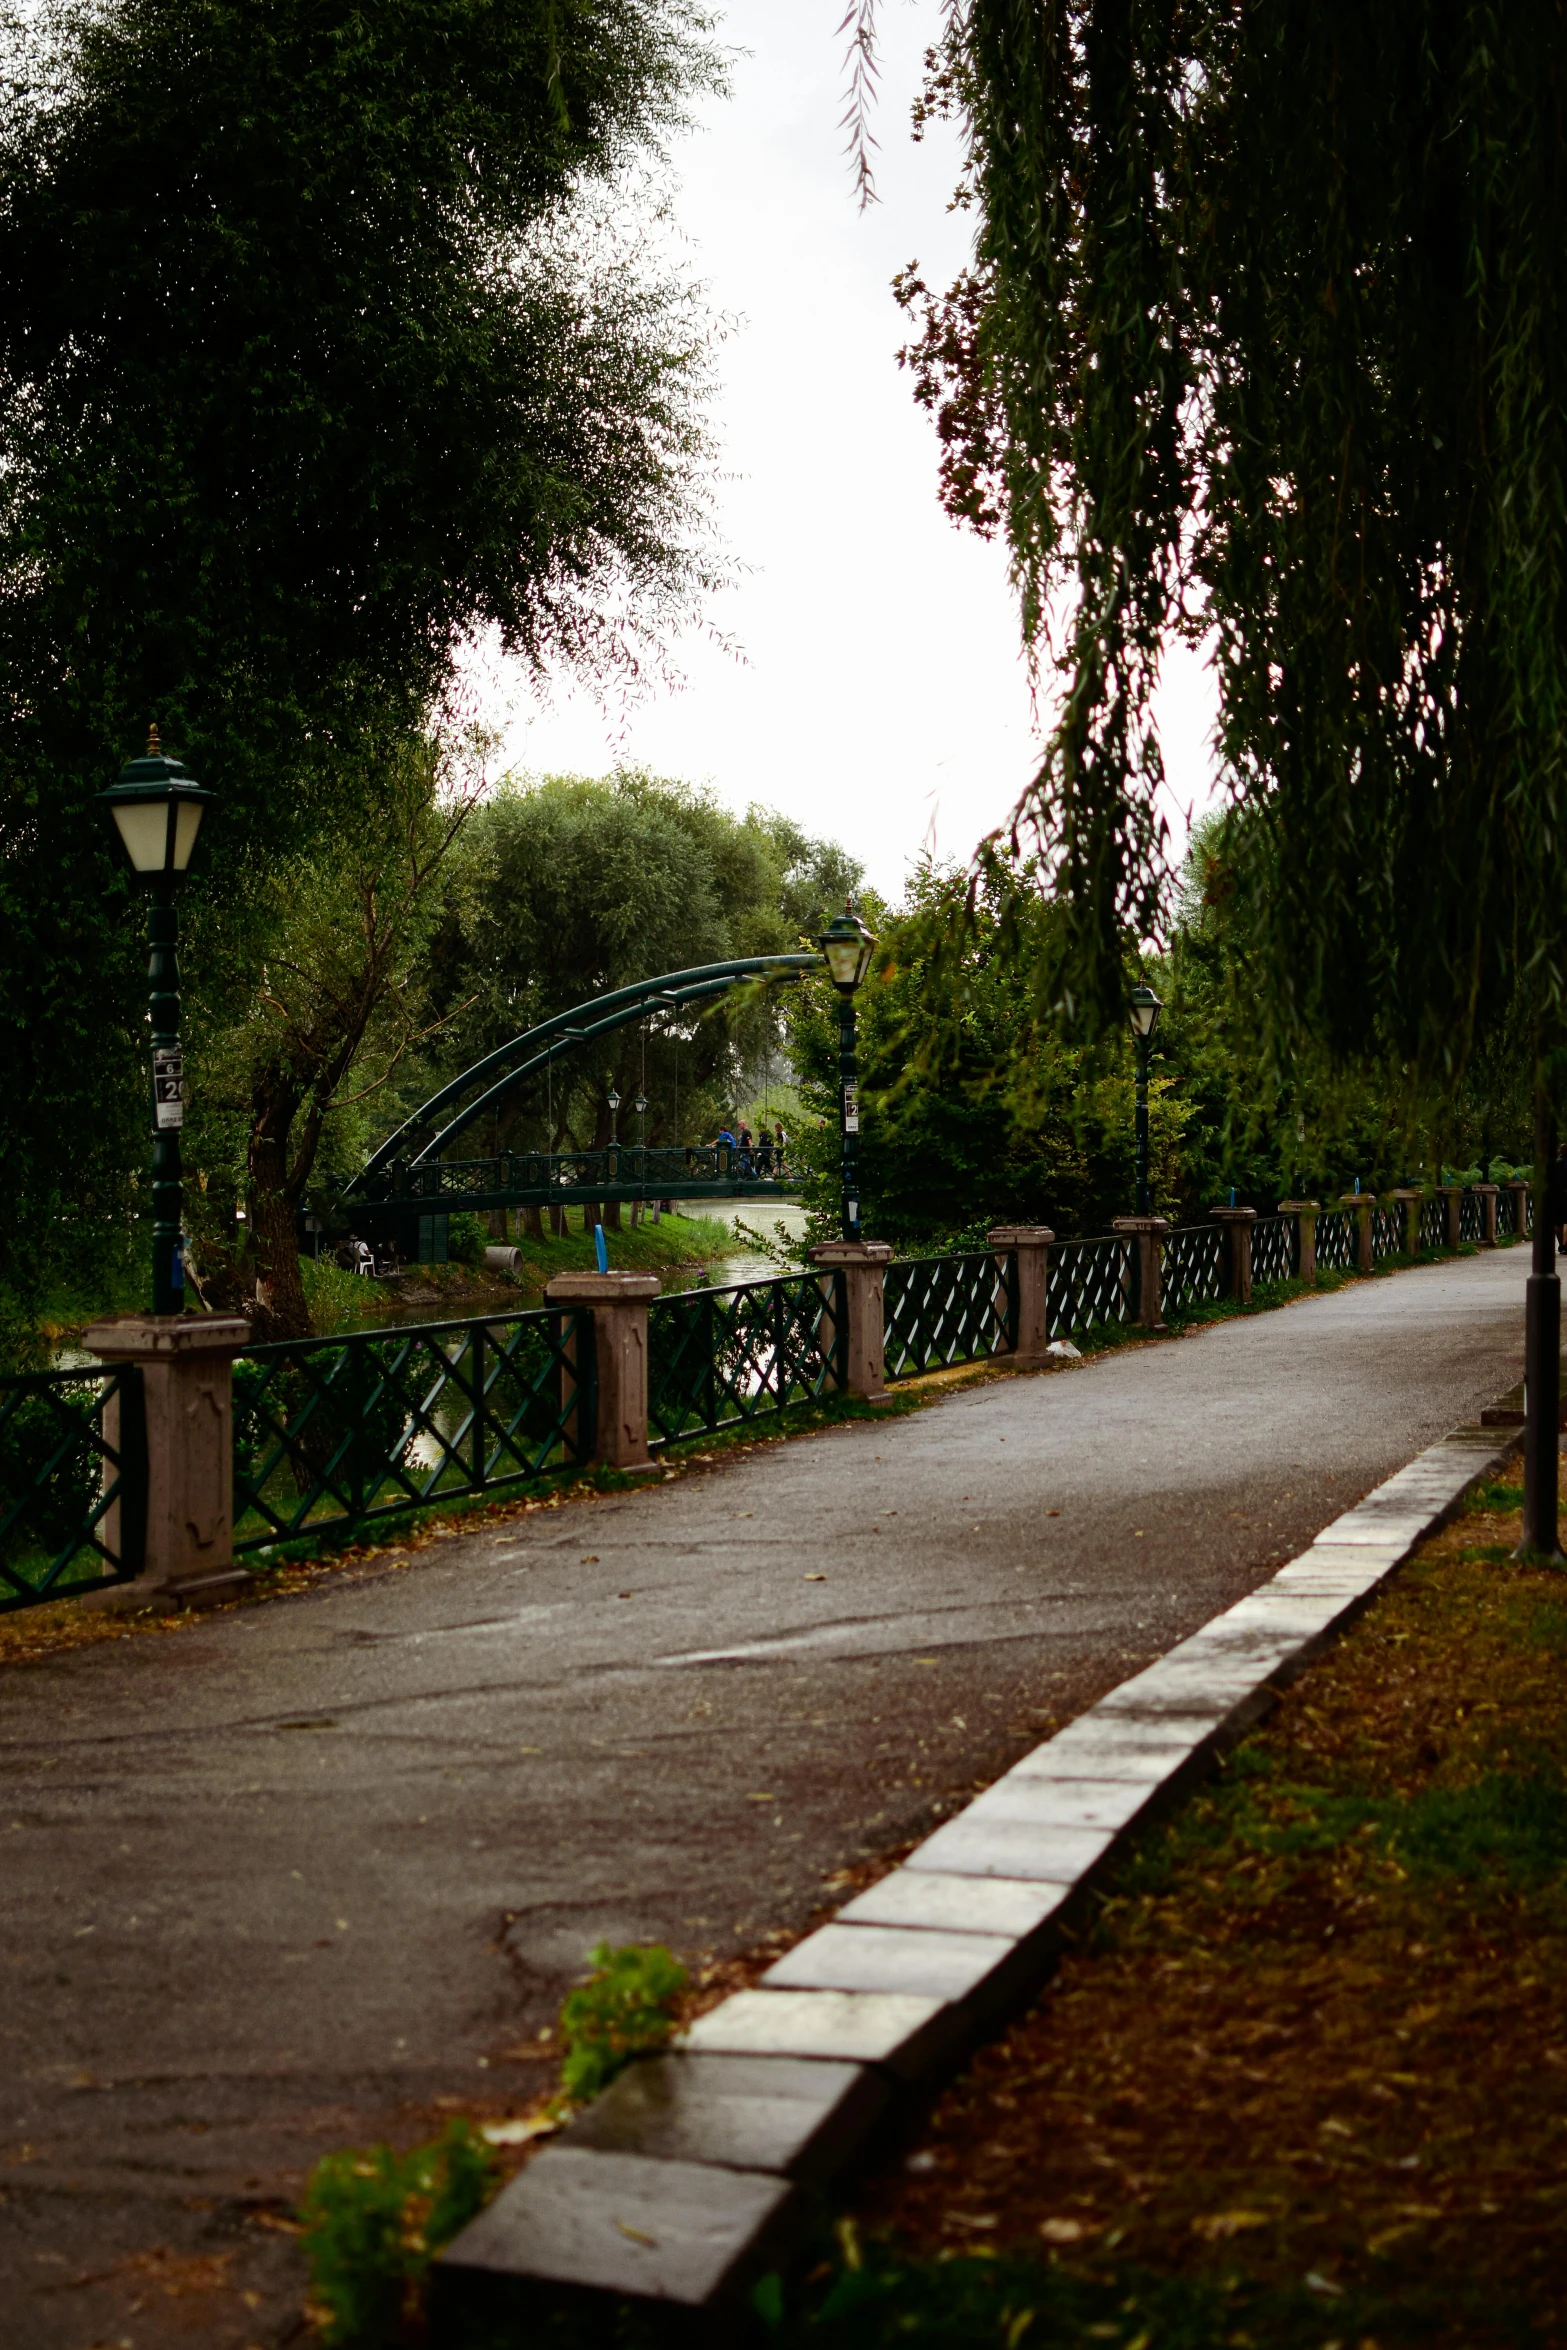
(144, 829)
(1146, 1008)
(187, 823)
(846, 947)
(614, 1099)
(640, 1105)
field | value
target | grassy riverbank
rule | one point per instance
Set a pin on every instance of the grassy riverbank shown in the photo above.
(692, 1246)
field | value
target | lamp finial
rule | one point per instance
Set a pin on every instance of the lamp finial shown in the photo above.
(153, 744)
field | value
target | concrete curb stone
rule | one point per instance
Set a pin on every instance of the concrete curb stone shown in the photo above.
(886, 1999)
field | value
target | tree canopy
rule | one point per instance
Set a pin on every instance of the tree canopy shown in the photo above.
(326, 343)
(1263, 343)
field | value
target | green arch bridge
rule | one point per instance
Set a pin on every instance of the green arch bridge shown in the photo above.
(415, 1174)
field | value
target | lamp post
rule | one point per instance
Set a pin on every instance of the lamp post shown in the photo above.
(1542, 1354)
(1146, 1008)
(614, 1118)
(846, 947)
(157, 810)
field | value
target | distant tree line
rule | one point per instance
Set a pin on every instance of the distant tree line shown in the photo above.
(977, 1112)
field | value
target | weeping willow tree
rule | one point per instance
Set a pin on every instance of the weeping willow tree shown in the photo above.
(1262, 345)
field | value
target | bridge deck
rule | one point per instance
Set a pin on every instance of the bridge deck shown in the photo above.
(558, 1179)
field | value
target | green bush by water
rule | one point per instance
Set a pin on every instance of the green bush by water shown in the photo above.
(467, 1238)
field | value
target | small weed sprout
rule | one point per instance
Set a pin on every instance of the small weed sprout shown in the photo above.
(625, 2008)
(375, 2219)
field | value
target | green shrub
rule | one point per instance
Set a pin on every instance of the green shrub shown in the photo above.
(374, 2220)
(467, 1238)
(624, 2009)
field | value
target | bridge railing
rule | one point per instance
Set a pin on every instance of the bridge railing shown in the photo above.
(542, 1177)
(334, 1435)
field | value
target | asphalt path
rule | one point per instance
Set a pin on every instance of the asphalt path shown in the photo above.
(303, 1874)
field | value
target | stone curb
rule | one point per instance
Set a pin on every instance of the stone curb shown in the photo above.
(693, 2175)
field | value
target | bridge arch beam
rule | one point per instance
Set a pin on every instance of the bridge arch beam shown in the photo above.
(510, 1065)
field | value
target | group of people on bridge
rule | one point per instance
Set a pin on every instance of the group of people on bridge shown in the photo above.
(762, 1156)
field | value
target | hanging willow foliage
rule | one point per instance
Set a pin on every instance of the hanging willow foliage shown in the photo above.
(1263, 345)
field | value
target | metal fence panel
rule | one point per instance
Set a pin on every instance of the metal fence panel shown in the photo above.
(333, 1433)
(1274, 1248)
(1507, 1215)
(944, 1310)
(1433, 1223)
(1337, 1240)
(1387, 1233)
(73, 1483)
(1471, 1217)
(1088, 1285)
(720, 1357)
(1193, 1270)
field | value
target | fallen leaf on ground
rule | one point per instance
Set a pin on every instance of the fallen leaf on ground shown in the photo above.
(518, 2133)
(1068, 2231)
(1220, 2224)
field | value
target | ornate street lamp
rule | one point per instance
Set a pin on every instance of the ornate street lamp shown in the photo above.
(847, 947)
(157, 810)
(614, 1114)
(1146, 1008)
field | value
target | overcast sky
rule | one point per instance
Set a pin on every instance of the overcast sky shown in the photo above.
(880, 697)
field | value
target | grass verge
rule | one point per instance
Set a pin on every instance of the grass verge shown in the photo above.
(1304, 2079)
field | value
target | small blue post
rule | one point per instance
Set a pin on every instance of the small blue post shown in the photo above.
(1232, 1195)
(599, 1248)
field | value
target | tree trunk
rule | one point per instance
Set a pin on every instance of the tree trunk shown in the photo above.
(280, 1310)
(533, 1223)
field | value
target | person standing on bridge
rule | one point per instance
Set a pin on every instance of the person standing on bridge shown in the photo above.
(744, 1162)
(780, 1146)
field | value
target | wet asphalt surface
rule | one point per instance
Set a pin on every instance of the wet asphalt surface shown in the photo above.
(303, 1874)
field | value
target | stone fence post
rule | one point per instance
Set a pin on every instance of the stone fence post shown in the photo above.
(862, 1264)
(1520, 1192)
(1146, 1234)
(186, 1363)
(1453, 1203)
(1237, 1224)
(1305, 1213)
(1362, 1202)
(1486, 1193)
(1030, 1244)
(1409, 1197)
(618, 1303)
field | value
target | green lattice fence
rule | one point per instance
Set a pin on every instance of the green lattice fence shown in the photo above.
(73, 1483)
(331, 1434)
(720, 1357)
